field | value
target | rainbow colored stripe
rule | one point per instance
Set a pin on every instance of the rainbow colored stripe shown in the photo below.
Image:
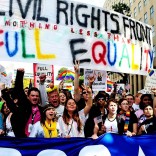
(109, 84)
(67, 74)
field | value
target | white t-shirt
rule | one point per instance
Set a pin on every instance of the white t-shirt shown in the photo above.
(59, 110)
(111, 126)
(37, 130)
(71, 128)
(9, 131)
(135, 107)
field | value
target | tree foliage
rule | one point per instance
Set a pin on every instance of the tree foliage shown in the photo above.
(122, 8)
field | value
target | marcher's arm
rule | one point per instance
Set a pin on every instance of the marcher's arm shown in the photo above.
(89, 102)
(77, 95)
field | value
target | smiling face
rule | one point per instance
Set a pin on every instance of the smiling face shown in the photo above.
(71, 105)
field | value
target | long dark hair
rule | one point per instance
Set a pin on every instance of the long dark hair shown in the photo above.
(75, 116)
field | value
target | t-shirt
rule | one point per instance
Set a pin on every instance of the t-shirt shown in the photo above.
(71, 128)
(133, 119)
(111, 126)
(135, 107)
(150, 125)
(59, 110)
(89, 125)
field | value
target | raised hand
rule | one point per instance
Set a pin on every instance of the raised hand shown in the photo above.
(42, 78)
(21, 69)
(76, 66)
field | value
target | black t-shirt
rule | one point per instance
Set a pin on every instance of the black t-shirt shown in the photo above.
(133, 119)
(150, 125)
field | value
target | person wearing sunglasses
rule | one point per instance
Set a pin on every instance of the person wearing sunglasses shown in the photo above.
(98, 110)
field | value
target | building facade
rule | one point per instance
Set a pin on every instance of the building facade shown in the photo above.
(144, 11)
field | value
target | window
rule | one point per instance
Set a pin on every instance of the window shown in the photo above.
(139, 6)
(135, 12)
(151, 11)
(153, 30)
(145, 2)
(145, 18)
(130, 2)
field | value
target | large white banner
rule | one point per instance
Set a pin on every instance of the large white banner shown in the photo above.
(60, 31)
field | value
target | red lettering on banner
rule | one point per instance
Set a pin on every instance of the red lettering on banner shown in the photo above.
(101, 55)
(1, 42)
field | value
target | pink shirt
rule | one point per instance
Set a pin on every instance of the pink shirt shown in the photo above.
(34, 117)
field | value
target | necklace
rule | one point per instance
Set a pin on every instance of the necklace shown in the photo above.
(111, 120)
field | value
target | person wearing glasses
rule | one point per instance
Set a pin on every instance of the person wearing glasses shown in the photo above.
(127, 119)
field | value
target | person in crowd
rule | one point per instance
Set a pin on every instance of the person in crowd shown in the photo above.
(80, 92)
(52, 97)
(26, 91)
(8, 131)
(127, 119)
(98, 110)
(107, 123)
(72, 122)
(48, 126)
(137, 99)
(25, 109)
(81, 96)
(1, 119)
(130, 99)
(145, 100)
(63, 97)
(149, 124)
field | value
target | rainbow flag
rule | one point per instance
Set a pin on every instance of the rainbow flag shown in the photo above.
(110, 84)
(68, 87)
(67, 74)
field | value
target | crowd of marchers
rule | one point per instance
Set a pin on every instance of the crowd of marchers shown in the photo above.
(36, 112)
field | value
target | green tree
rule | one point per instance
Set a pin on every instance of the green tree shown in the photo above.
(122, 8)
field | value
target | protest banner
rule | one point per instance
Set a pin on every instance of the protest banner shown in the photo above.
(58, 32)
(106, 145)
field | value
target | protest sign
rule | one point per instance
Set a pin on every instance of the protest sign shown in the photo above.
(58, 32)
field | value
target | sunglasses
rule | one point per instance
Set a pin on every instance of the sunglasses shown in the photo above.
(84, 92)
(101, 99)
